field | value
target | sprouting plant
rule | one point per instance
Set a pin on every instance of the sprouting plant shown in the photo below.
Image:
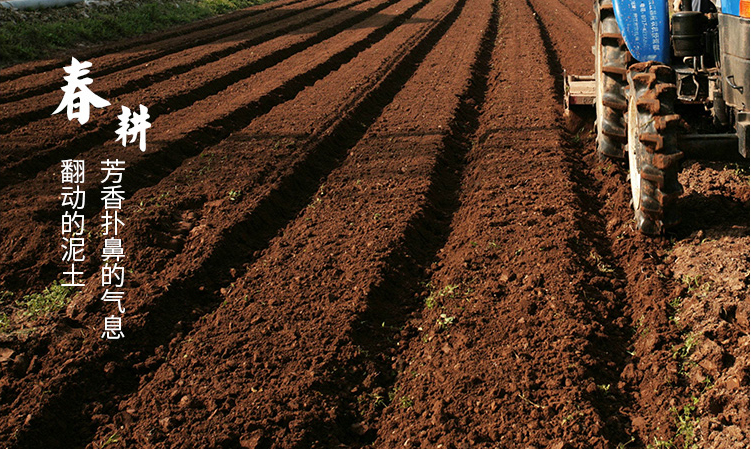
(688, 345)
(692, 282)
(4, 322)
(623, 445)
(234, 195)
(406, 402)
(436, 296)
(378, 400)
(52, 299)
(5, 295)
(444, 321)
(114, 438)
(686, 423)
(660, 444)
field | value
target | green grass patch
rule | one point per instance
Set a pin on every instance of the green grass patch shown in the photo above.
(37, 37)
(4, 322)
(53, 298)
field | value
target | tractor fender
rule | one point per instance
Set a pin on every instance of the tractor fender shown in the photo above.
(645, 27)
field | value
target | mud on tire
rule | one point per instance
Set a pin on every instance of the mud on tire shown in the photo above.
(654, 159)
(612, 59)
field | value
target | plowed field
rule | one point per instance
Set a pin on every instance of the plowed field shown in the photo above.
(365, 223)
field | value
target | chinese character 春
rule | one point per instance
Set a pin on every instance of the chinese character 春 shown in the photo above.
(78, 99)
(134, 125)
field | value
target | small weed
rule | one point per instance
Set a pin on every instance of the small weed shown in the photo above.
(686, 423)
(518, 252)
(392, 394)
(445, 321)
(683, 351)
(378, 400)
(376, 216)
(4, 322)
(406, 402)
(675, 308)
(5, 295)
(604, 388)
(114, 438)
(659, 444)
(576, 138)
(52, 299)
(234, 195)
(623, 445)
(601, 265)
(692, 282)
(435, 297)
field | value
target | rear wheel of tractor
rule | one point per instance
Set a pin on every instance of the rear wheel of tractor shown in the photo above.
(653, 157)
(612, 59)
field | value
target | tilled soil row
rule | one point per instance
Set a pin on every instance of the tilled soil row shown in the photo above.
(233, 247)
(229, 34)
(36, 67)
(510, 349)
(294, 357)
(572, 41)
(582, 9)
(658, 385)
(187, 132)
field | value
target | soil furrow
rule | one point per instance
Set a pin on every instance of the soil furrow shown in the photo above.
(179, 92)
(35, 67)
(582, 9)
(163, 316)
(189, 139)
(171, 66)
(526, 327)
(370, 164)
(631, 401)
(568, 35)
(40, 83)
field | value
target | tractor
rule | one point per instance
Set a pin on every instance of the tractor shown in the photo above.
(666, 83)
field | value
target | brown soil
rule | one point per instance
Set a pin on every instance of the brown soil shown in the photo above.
(361, 223)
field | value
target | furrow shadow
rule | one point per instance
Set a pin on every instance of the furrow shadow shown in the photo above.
(392, 301)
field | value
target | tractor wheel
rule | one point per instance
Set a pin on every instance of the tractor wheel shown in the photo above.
(612, 59)
(653, 157)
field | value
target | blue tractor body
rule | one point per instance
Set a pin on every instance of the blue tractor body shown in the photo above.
(645, 28)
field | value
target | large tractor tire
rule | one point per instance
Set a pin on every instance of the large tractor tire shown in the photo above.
(612, 59)
(653, 157)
